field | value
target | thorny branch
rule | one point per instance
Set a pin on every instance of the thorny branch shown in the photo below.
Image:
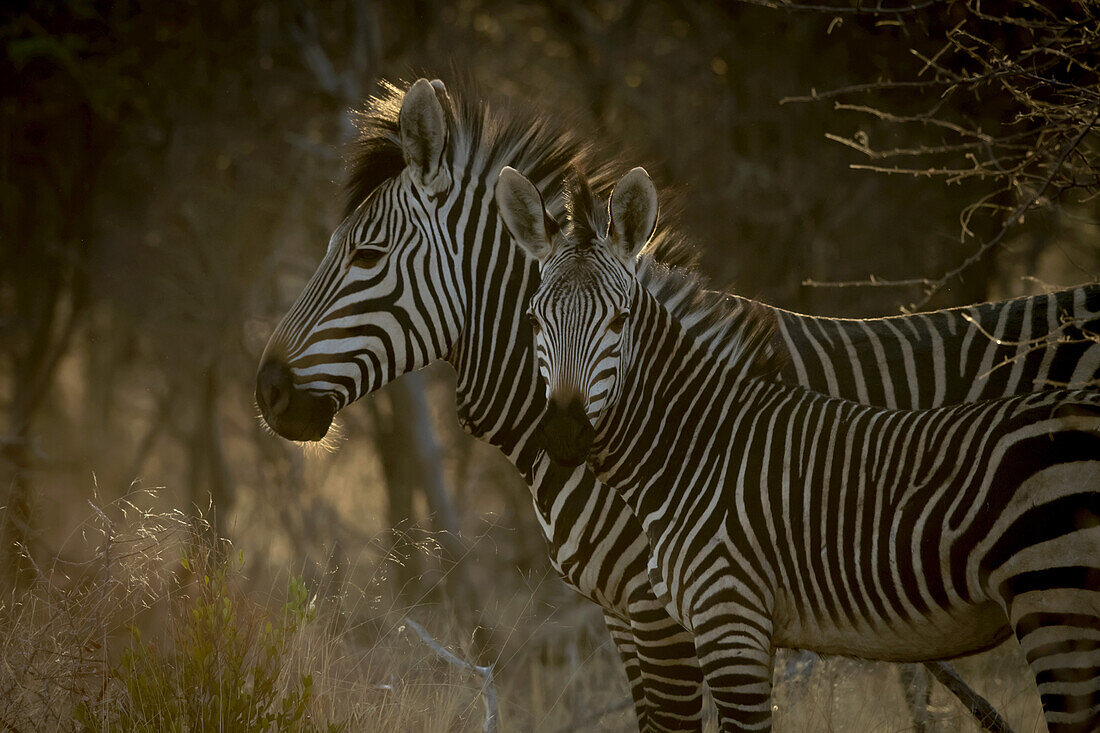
(1035, 72)
(931, 287)
(1024, 347)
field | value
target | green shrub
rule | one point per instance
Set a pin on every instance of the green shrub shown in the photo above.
(227, 666)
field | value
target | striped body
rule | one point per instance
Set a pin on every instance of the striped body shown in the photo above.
(414, 275)
(950, 356)
(783, 517)
(780, 517)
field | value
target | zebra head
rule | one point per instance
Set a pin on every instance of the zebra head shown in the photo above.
(581, 309)
(385, 298)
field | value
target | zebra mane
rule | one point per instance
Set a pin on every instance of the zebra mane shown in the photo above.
(549, 150)
(496, 132)
(586, 219)
(544, 147)
(737, 331)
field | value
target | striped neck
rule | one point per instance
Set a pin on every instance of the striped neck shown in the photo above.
(498, 395)
(668, 384)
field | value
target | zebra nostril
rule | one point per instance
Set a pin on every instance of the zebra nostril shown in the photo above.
(273, 388)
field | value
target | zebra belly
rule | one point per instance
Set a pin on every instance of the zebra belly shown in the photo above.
(940, 635)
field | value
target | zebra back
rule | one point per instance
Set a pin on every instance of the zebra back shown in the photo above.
(949, 356)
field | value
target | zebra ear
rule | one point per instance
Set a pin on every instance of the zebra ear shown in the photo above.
(633, 209)
(521, 208)
(441, 92)
(423, 128)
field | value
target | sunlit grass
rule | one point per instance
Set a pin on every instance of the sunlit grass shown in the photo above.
(162, 620)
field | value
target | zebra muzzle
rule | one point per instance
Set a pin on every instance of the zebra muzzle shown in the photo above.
(291, 412)
(567, 434)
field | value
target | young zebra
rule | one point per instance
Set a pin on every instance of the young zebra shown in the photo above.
(420, 270)
(782, 517)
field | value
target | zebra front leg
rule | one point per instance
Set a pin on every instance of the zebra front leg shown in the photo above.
(734, 646)
(623, 637)
(671, 676)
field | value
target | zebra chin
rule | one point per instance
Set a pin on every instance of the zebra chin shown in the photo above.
(304, 425)
(566, 434)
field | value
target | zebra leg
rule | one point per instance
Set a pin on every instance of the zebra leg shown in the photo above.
(918, 695)
(734, 646)
(671, 675)
(1061, 641)
(1050, 588)
(623, 637)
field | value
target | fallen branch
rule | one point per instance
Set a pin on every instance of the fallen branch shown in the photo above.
(488, 688)
(988, 718)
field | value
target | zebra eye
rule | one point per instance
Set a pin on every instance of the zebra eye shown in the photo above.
(366, 257)
(618, 322)
(534, 322)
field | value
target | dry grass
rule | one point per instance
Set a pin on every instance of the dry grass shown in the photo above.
(849, 695)
(160, 621)
(161, 627)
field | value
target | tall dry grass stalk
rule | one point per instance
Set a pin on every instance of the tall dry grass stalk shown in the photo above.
(148, 621)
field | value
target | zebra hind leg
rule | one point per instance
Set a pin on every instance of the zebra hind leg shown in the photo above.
(1062, 647)
(1051, 592)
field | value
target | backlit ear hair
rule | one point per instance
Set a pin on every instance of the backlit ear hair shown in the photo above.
(633, 208)
(423, 127)
(523, 213)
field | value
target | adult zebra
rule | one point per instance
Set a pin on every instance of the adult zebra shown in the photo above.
(419, 271)
(781, 517)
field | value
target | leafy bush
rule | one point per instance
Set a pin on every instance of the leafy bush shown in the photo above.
(228, 666)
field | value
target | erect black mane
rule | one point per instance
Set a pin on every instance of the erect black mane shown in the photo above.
(736, 331)
(538, 145)
(545, 148)
(541, 146)
(585, 215)
(375, 156)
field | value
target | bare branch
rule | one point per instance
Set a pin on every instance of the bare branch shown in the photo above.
(931, 287)
(880, 8)
(488, 687)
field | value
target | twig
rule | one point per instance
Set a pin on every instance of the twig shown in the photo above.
(871, 282)
(933, 286)
(488, 688)
(1016, 215)
(987, 717)
(9, 727)
(859, 9)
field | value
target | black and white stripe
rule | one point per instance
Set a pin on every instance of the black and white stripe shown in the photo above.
(950, 356)
(782, 517)
(410, 278)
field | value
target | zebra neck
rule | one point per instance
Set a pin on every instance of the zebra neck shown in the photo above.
(672, 391)
(497, 391)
